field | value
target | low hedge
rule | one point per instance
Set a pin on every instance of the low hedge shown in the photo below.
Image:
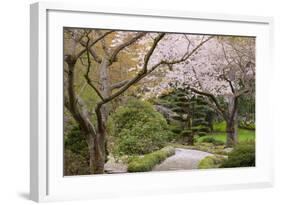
(210, 162)
(146, 162)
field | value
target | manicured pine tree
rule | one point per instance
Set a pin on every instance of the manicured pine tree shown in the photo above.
(191, 113)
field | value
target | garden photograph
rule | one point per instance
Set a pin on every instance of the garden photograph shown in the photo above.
(149, 101)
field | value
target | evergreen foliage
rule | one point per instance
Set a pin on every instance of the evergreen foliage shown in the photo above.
(192, 112)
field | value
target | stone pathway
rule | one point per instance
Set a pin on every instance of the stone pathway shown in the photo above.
(182, 160)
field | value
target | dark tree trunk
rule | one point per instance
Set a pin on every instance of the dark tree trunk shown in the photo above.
(97, 154)
(231, 123)
(105, 87)
(210, 119)
(231, 130)
(190, 139)
(104, 109)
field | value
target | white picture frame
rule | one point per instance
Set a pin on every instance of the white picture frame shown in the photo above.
(47, 182)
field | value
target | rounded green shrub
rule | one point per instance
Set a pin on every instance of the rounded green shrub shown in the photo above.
(139, 128)
(243, 155)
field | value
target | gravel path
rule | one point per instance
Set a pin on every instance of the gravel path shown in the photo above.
(182, 160)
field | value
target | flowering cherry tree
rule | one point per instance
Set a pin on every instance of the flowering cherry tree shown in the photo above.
(101, 50)
(224, 67)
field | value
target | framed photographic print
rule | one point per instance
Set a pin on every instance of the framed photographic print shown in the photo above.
(127, 102)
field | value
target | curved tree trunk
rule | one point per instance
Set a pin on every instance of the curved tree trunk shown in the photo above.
(95, 138)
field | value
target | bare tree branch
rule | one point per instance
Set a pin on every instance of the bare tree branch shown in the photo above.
(213, 98)
(93, 43)
(92, 52)
(119, 84)
(231, 86)
(229, 82)
(241, 92)
(88, 79)
(124, 45)
(137, 78)
(95, 55)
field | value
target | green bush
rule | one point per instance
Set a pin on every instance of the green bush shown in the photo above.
(213, 141)
(210, 162)
(247, 124)
(147, 162)
(206, 163)
(75, 164)
(76, 142)
(243, 155)
(76, 155)
(139, 129)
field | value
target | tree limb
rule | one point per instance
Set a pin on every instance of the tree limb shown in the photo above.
(137, 78)
(187, 54)
(213, 98)
(117, 50)
(92, 52)
(72, 102)
(119, 84)
(144, 71)
(241, 92)
(93, 43)
(89, 81)
(229, 82)
(95, 55)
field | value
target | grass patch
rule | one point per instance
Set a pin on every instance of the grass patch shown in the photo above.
(213, 141)
(146, 162)
(210, 162)
(243, 136)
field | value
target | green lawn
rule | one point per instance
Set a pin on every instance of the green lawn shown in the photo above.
(243, 135)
